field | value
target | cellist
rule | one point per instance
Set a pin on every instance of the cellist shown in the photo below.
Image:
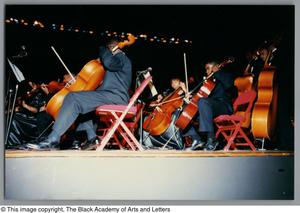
(219, 102)
(113, 90)
(176, 84)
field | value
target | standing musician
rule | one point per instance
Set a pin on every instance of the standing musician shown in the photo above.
(256, 63)
(114, 90)
(219, 102)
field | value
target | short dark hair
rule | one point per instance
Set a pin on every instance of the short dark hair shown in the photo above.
(212, 62)
(111, 41)
(175, 79)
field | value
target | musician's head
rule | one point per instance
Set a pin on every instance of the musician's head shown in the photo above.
(263, 53)
(33, 85)
(211, 66)
(67, 78)
(110, 44)
(175, 83)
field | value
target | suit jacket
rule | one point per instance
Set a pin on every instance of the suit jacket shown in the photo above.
(224, 87)
(118, 75)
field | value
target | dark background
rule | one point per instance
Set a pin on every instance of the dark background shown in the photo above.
(216, 32)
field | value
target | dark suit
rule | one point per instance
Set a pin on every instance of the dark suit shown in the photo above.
(114, 90)
(217, 103)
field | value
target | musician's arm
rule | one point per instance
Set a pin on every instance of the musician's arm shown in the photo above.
(110, 62)
(29, 108)
(225, 78)
(183, 87)
(246, 71)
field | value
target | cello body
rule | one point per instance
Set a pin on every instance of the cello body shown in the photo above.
(191, 109)
(89, 78)
(265, 109)
(159, 120)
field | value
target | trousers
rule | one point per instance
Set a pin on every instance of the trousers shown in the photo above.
(209, 108)
(76, 103)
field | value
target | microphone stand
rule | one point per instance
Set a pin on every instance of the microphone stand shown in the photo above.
(10, 111)
(7, 106)
(11, 115)
(137, 83)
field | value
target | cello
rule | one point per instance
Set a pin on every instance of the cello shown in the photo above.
(160, 119)
(245, 82)
(89, 78)
(265, 109)
(191, 109)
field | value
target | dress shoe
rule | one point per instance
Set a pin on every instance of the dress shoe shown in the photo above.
(196, 145)
(46, 144)
(211, 144)
(76, 145)
(22, 147)
(91, 144)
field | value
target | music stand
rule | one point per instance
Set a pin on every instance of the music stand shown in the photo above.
(20, 77)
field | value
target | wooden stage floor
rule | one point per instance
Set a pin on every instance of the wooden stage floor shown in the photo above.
(148, 153)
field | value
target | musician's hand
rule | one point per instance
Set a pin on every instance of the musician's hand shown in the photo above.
(188, 96)
(24, 105)
(159, 98)
(158, 109)
(28, 107)
(156, 102)
(186, 100)
(17, 109)
(45, 88)
(43, 108)
(182, 84)
(183, 87)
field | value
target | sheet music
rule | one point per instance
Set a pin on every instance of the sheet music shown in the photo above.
(19, 75)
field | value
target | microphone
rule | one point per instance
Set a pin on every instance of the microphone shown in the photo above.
(149, 69)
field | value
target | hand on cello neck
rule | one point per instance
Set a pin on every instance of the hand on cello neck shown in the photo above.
(115, 45)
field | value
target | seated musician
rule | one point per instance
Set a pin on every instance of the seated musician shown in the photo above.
(190, 131)
(219, 102)
(30, 118)
(176, 83)
(114, 90)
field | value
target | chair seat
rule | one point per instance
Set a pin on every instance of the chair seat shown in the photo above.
(233, 117)
(232, 127)
(115, 108)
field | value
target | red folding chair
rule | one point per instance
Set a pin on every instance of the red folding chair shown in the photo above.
(232, 126)
(131, 121)
(116, 114)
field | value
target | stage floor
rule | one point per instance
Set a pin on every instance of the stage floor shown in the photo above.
(147, 153)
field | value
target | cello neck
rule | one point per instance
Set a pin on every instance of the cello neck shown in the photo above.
(130, 40)
(269, 57)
